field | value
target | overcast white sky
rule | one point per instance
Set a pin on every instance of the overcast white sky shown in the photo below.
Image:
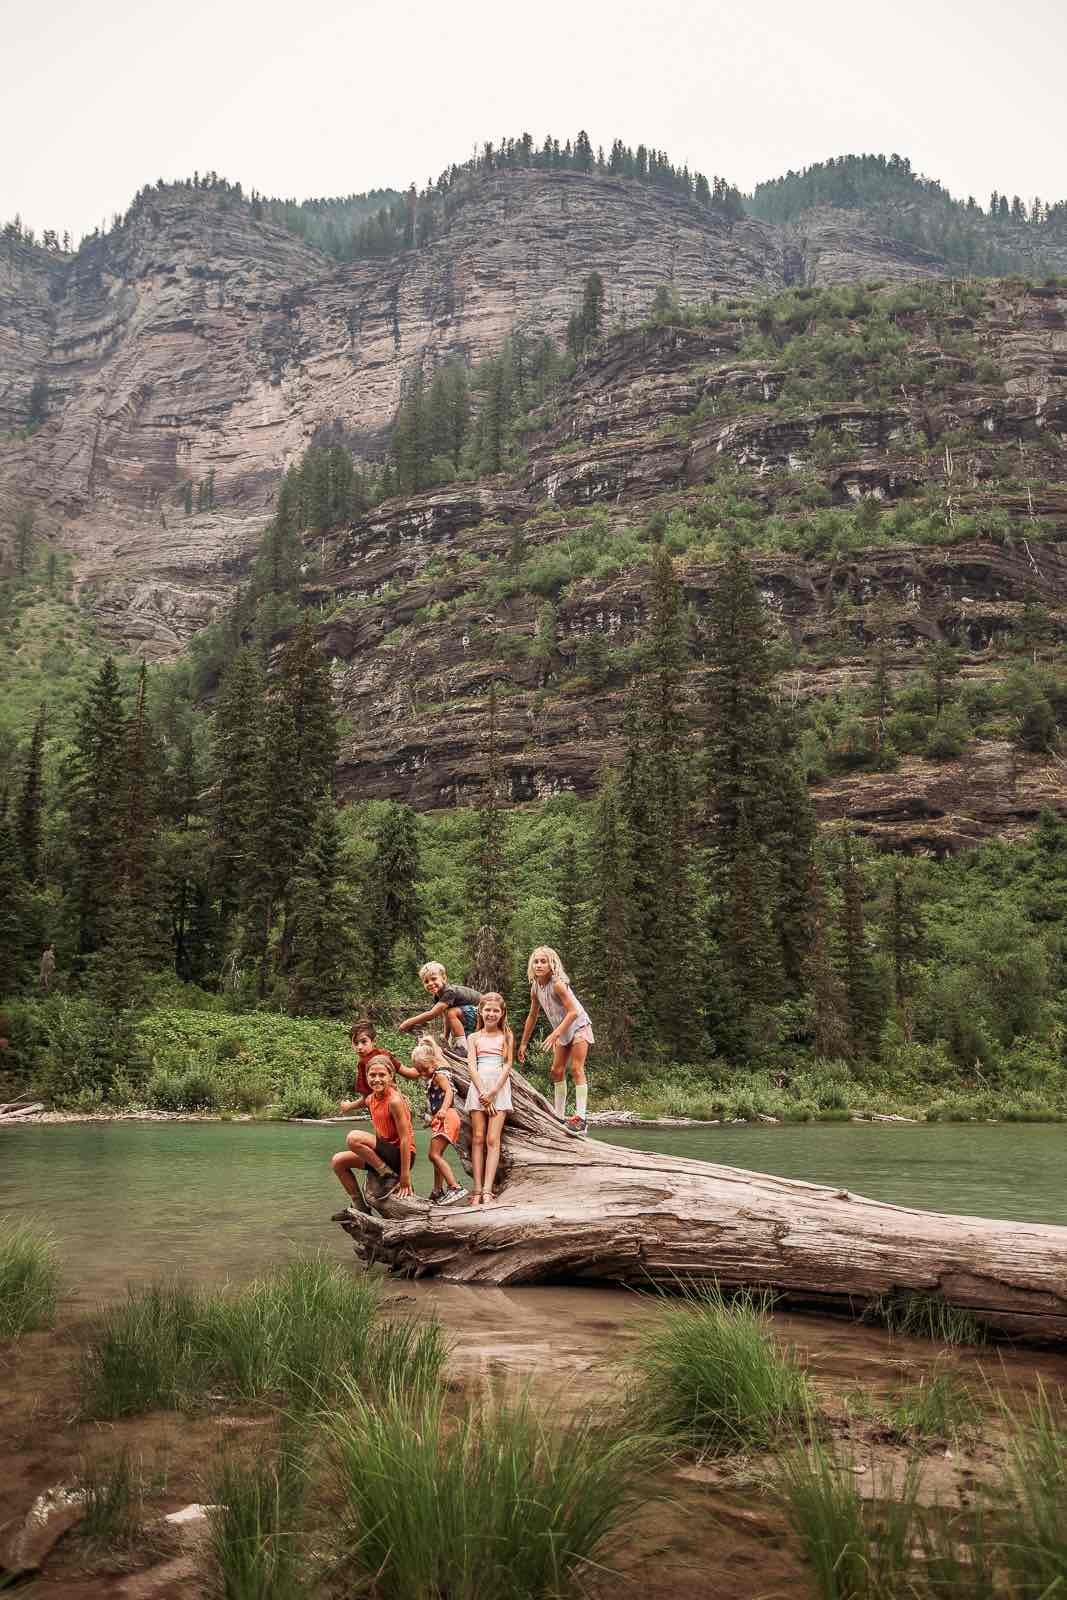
(335, 96)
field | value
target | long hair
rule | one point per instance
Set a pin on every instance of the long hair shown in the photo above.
(491, 994)
(428, 1049)
(554, 962)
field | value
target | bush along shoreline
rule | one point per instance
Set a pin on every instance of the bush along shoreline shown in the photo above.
(83, 1061)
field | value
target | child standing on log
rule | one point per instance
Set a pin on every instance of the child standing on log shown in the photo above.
(429, 1062)
(390, 1149)
(489, 1060)
(365, 1046)
(454, 1001)
(571, 1036)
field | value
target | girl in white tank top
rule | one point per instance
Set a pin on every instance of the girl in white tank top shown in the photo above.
(489, 1053)
(571, 1035)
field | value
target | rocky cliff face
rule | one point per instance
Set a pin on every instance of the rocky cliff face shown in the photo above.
(196, 340)
(418, 619)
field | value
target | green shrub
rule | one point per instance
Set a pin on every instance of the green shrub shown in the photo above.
(712, 1377)
(188, 1091)
(78, 1048)
(29, 1279)
(256, 1525)
(495, 1506)
(113, 1500)
(142, 1354)
(305, 1098)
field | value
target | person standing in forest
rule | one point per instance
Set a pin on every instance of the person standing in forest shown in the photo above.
(47, 975)
(571, 1036)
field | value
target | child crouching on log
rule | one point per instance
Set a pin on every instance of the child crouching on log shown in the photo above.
(390, 1149)
(489, 1060)
(571, 1036)
(429, 1062)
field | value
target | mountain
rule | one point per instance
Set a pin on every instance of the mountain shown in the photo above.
(200, 342)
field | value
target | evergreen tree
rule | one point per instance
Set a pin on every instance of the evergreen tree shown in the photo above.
(864, 999)
(321, 922)
(488, 896)
(394, 905)
(790, 841)
(569, 877)
(611, 962)
(30, 803)
(676, 986)
(96, 806)
(238, 760)
(829, 1004)
(904, 934)
(13, 913)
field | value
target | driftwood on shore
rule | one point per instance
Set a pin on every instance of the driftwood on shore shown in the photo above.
(575, 1208)
(15, 1110)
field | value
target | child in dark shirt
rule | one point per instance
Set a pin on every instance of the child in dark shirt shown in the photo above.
(456, 1003)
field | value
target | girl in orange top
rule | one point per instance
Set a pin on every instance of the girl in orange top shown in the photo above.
(391, 1147)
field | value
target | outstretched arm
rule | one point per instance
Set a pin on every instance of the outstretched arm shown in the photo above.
(529, 1025)
(423, 1017)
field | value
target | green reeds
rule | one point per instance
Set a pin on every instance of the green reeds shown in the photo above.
(256, 1526)
(292, 1336)
(925, 1316)
(939, 1409)
(29, 1279)
(712, 1377)
(857, 1549)
(492, 1506)
(142, 1354)
(113, 1499)
(1035, 1552)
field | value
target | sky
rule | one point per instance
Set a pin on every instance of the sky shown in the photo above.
(342, 96)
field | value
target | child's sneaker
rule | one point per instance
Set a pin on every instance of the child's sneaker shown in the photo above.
(451, 1195)
(576, 1124)
(437, 1196)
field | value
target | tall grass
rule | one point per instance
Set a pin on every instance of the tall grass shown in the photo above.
(256, 1526)
(493, 1506)
(29, 1279)
(857, 1550)
(926, 1316)
(711, 1376)
(1035, 1553)
(142, 1354)
(293, 1336)
(939, 1409)
(113, 1500)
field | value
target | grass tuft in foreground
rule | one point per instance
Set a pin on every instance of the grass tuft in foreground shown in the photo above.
(712, 1377)
(114, 1502)
(257, 1525)
(293, 1336)
(942, 1408)
(857, 1549)
(29, 1279)
(490, 1506)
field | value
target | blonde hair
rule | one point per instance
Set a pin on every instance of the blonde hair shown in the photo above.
(491, 994)
(431, 966)
(554, 963)
(428, 1049)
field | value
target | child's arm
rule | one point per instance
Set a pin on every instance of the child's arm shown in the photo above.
(529, 1025)
(443, 1081)
(423, 1017)
(402, 1117)
(407, 1072)
(563, 994)
(472, 1066)
(507, 1053)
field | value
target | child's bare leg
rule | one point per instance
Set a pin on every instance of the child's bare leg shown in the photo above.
(579, 1049)
(440, 1165)
(456, 1027)
(478, 1121)
(342, 1164)
(361, 1147)
(558, 1072)
(492, 1154)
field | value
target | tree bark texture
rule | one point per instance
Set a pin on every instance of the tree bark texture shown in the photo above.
(573, 1208)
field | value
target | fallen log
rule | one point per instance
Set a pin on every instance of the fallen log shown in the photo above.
(572, 1208)
(13, 1112)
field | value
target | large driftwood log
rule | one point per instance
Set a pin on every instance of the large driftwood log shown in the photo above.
(574, 1208)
